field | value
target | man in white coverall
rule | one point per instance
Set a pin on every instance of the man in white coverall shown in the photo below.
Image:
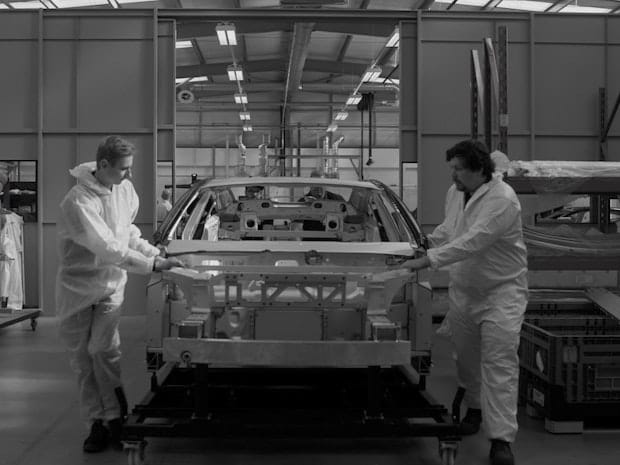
(481, 239)
(97, 245)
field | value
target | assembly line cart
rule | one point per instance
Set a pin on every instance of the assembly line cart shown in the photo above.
(355, 403)
(15, 316)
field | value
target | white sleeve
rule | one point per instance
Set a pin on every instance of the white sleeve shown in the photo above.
(87, 228)
(498, 217)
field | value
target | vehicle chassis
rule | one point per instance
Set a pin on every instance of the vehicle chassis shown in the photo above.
(369, 387)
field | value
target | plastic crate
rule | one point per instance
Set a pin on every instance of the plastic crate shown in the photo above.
(578, 352)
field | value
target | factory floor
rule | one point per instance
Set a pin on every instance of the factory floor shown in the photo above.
(39, 423)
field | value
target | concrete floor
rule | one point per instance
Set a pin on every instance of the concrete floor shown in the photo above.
(39, 422)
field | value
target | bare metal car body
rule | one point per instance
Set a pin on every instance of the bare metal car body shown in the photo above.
(290, 272)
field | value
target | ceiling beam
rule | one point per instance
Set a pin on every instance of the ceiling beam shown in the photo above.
(195, 29)
(257, 66)
(425, 4)
(491, 4)
(298, 54)
(557, 6)
(226, 89)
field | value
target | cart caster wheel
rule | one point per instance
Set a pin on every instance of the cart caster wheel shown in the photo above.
(33, 324)
(447, 452)
(135, 453)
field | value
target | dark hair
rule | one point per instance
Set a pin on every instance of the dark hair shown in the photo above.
(112, 148)
(475, 156)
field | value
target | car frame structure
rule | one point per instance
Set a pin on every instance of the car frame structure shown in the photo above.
(295, 315)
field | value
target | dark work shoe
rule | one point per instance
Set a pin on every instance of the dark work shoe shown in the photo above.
(98, 438)
(116, 428)
(500, 453)
(470, 424)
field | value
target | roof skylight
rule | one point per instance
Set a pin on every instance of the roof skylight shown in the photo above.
(525, 5)
(472, 2)
(584, 9)
(78, 3)
(28, 5)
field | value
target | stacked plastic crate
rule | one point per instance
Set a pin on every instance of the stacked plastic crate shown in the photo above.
(570, 366)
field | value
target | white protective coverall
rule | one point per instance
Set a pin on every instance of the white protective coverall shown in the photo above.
(482, 242)
(11, 256)
(97, 245)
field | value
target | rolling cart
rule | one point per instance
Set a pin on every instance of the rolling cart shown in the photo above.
(197, 400)
(11, 317)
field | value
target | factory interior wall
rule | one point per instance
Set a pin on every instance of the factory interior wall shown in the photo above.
(556, 65)
(69, 78)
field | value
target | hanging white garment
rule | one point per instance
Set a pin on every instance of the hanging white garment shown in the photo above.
(11, 267)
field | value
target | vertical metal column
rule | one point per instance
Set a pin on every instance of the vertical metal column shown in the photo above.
(488, 103)
(602, 121)
(409, 108)
(370, 108)
(361, 170)
(298, 150)
(477, 91)
(502, 58)
(603, 213)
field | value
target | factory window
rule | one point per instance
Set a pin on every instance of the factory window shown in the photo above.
(19, 187)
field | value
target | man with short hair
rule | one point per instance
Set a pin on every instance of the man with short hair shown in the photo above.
(481, 239)
(97, 244)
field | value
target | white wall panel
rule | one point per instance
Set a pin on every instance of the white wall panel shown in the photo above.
(18, 84)
(115, 84)
(60, 154)
(567, 81)
(570, 29)
(15, 25)
(59, 62)
(562, 148)
(518, 89)
(18, 146)
(445, 84)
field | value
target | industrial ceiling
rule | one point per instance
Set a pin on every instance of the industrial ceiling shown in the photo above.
(296, 74)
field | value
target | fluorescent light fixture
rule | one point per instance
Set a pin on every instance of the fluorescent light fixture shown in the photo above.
(472, 2)
(133, 1)
(114, 3)
(179, 81)
(244, 115)
(247, 128)
(394, 39)
(354, 99)
(584, 9)
(184, 44)
(332, 127)
(226, 34)
(235, 73)
(4, 6)
(525, 5)
(48, 4)
(341, 116)
(199, 79)
(34, 5)
(78, 3)
(371, 74)
(241, 98)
